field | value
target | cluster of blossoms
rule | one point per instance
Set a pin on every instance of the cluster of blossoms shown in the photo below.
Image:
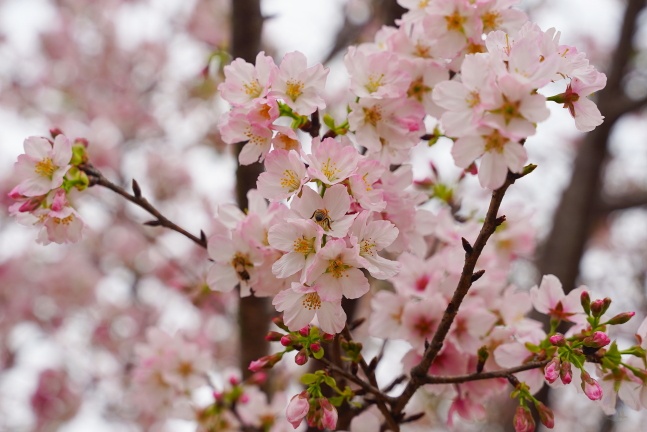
(340, 210)
(46, 174)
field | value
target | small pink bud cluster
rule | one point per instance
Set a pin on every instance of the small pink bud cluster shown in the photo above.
(318, 412)
(307, 341)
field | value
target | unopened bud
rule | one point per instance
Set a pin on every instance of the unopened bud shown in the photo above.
(557, 339)
(258, 378)
(328, 337)
(591, 387)
(600, 306)
(315, 347)
(523, 421)
(304, 331)
(301, 358)
(54, 132)
(565, 372)
(546, 415)
(287, 340)
(266, 362)
(278, 321)
(585, 299)
(233, 380)
(621, 318)
(273, 336)
(551, 373)
(597, 340)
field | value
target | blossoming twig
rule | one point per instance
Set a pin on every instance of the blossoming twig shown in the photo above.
(503, 373)
(97, 178)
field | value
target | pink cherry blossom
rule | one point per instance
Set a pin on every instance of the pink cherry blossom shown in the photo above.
(370, 237)
(245, 82)
(43, 165)
(300, 239)
(331, 161)
(336, 272)
(363, 188)
(376, 74)
(328, 212)
(284, 175)
(301, 303)
(585, 112)
(299, 86)
(549, 299)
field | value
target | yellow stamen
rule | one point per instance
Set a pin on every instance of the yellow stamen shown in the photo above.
(304, 245)
(45, 167)
(294, 89)
(311, 301)
(253, 88)
(290, 181)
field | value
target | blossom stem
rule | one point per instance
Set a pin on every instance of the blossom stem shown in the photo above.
(97, 178)
(503, 373)
(419, 372)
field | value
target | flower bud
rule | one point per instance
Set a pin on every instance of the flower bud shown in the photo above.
(258, 378)
(273, 336)
(315, 347)
(301, 358)
(551, 373)
(591, 387)
(329, 417)
(266, 362)
(233, 380)
(304, 331)
(600, 306)
(287, 340)
(585, 299)
(597, 340)
(328, 337)
(297, 409)
(565, 372)
(54, 132)
(621, 318)
(523, 421)
(278, 321)
(557, 339)
(546, 415)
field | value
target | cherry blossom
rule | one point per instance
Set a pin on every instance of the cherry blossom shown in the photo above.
(302, 303)
(299, 86)
(43, 165)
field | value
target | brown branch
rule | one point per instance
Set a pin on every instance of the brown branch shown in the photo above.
(357, 380)
(96, 178)
(609, 204)
(503, 373)
(370, 374)
(419, 372)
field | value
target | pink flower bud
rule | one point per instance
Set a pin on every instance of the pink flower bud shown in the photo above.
(600, 306)
(304, 331)
(557, 339)
(546, 415)
(315, 347)
(551, 373)
(523, 421)
(244, 398)
(31, 204)
(286, 340)
(585, 299)
(14, 194)
(266, 362)
(301, 358)
(273, 336)
(258, 378)
(297, 409)
(621, 318)
(328, 337)
(329, 418)
(597, 340)
(565, 372)
(591, 387)
(233, 380)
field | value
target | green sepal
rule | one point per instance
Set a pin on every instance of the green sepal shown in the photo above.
(308, 379)
(319, 354)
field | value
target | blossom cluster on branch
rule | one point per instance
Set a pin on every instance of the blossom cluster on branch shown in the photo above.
(334, 211)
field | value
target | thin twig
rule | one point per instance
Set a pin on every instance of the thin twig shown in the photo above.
(419, 372)
(96, 178)
(503, 373)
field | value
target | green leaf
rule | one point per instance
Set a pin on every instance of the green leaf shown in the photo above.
(319, 354)
(309, 378)
(330, 382)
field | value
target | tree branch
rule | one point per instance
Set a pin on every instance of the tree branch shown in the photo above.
(419, 372)
(503, 373)
(96, 178)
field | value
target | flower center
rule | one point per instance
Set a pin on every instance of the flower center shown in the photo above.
(418, 89)
(337, 268)
(253, 88)
(241, 263)
(290, 180)
(311, 301)
(294, 89)
(495, 142)
(330, 170)
(372, 115)
(304, 245)
(491, 21)
(367, 247)
(45, 167)
(63, 221)
(374, 83)
(455, 21)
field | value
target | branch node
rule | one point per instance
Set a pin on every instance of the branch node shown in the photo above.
(467, 246)
(498, 221)
(153, 223)
(137, 191)
(477, 275)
